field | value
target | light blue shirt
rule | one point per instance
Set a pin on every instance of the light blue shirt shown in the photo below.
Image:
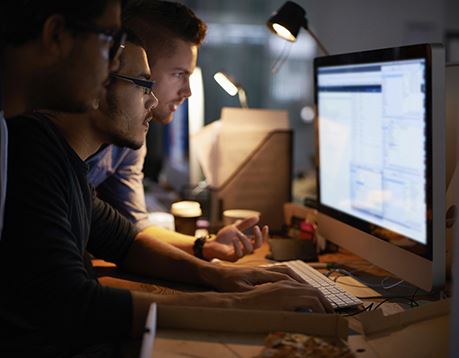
(3, 167)
(117, 175)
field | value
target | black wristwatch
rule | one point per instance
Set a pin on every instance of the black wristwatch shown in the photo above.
(199, 245)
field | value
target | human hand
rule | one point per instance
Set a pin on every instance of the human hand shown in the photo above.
(231, 243)
(284, 295)
(233, 279)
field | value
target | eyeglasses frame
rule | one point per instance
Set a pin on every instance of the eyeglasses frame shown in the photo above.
(147, 85)
(116, 38)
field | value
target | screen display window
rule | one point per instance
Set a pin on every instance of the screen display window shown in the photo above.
(372, 135)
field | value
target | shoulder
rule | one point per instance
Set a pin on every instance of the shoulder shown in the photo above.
(30, 125)
(35, 134)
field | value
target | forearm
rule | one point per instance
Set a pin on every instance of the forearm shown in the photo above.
(141, 302)
(149, 256)
(180, 241)
(285, 295)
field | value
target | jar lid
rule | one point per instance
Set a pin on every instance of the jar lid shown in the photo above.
(186, 209)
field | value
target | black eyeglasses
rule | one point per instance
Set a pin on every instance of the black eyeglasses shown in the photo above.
(115, 38)
(147, 85)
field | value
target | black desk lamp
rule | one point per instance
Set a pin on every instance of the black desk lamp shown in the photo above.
(286, 23)
(232, 87)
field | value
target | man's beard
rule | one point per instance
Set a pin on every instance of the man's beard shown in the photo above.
(124, 141)
(161, 118)
(119, 137)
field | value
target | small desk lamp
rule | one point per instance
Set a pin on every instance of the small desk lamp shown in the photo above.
(286, 23)
(232, 87)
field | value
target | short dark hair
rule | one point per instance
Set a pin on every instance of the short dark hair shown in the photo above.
(161, 20)
(132, 38)
(22, 21)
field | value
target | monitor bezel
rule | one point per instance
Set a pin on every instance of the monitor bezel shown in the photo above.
(422, 51)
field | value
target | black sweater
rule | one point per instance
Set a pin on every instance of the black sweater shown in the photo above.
(50, 303)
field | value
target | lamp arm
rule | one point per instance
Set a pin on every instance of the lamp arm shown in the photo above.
(313, 35)
(242, 97)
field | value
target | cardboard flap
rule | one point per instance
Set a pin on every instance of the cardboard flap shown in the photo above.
(375, 322)
(251, 321)
(262, 182)
(242, 132)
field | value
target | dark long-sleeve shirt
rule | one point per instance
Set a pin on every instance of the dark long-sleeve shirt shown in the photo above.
(49, 299)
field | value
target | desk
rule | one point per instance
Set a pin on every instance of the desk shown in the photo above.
(368, 273)
(210, 344)
(109, 276)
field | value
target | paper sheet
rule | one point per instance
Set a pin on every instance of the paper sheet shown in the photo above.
(224, 145)
(205, 143)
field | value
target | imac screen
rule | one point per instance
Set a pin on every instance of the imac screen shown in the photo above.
(374, 145)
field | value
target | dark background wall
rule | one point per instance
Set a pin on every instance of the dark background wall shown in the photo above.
(239, 42)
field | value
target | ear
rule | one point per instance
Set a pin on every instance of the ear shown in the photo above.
(56, 39)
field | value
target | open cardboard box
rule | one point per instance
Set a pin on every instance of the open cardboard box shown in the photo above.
(228, 333)
(418, 332)
(214, 332)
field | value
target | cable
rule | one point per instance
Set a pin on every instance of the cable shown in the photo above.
(365, 309)
(413, 303)
(364, 284)
(387, 288)
(282, 58)
(347, 273)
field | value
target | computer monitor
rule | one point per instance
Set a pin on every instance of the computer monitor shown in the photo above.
(380, 152)
(452, 174)
(452, 118)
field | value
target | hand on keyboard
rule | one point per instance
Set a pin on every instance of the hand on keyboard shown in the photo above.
(234, 279)
(338, 298)
(287, 295)
(287, 272)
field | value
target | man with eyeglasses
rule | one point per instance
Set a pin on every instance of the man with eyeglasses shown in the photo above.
(173, 35)
(51, 303)
(55, 55)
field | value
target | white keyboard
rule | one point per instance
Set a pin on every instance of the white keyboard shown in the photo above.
(338, 297)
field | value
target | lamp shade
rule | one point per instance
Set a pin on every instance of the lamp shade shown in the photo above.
(288, 20)
(286, 23)
(231, 86)
(227, 83)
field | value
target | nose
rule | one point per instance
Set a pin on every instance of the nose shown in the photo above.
(185, 91)
(152, 102)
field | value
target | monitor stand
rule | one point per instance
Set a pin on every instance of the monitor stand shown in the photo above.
(452, 175)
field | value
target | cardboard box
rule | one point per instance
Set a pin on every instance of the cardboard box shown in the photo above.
(210, 332)
(418, 332)
(213, 332)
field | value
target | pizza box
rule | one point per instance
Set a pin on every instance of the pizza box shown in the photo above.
(418, 332)
(214, 332)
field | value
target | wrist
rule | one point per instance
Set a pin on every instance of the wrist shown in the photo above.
(198, 247)
(201, 247)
